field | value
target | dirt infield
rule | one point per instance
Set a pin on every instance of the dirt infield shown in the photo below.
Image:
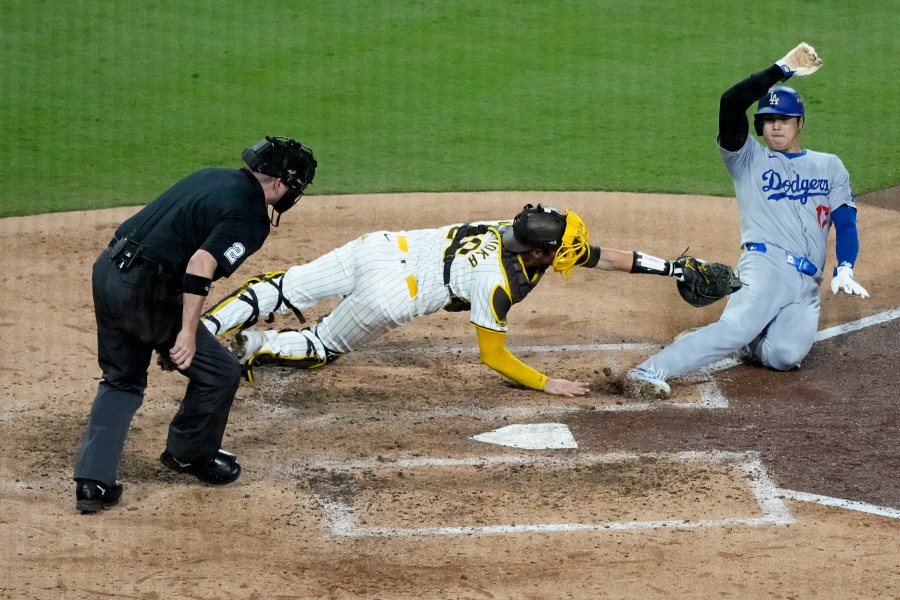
(362, 480)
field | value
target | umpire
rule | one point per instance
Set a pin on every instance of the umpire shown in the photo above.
(149, 287)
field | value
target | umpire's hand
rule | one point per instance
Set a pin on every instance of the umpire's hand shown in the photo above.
(182, 352)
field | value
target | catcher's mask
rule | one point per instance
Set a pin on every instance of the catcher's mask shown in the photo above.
(286, 159)
(548, 229)
(780, 100)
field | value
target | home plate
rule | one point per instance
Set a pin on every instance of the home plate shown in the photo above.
(536, 436)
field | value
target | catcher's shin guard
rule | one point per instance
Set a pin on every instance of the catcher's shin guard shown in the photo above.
(261, 294)
(286, 348)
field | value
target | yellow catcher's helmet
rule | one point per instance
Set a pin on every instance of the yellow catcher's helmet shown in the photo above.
(574, 245)
(550, 230)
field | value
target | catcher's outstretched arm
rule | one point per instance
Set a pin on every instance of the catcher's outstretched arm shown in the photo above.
(700, 283)
(492, 346)
(633, 262)
(614, 260)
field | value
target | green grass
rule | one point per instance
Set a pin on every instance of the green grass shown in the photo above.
(108, 103)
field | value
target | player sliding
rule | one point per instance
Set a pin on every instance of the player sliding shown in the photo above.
(789, 198)
(385, 279)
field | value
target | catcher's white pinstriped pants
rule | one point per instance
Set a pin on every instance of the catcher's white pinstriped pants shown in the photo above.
(373, 277)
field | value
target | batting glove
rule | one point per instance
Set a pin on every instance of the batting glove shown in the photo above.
(843, 280)
(800, 61)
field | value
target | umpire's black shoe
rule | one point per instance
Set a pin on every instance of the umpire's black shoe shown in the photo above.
(92, 495)
(219, 470)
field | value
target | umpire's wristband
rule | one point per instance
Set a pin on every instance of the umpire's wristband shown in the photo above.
(196, 284)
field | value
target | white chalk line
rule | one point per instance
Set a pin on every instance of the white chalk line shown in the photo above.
(343, 520)
(344, 525)
(765, 491)
(720, 365)
(710, 395)
(709, 398)
(563, 348)
(884, 317)
(864, 507)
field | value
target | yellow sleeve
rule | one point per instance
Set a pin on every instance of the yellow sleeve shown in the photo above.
(492, 346)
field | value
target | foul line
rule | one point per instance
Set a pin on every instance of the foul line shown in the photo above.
(884, 317)
(719, 365)
(865, 507)
(553, 348)
(343, 519)
(709, 398)
(889, 315)
(824, 334)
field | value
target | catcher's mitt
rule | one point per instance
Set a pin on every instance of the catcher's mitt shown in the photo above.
(701, 283)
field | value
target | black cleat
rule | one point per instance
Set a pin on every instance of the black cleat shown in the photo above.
(92, 495)
(219, 470)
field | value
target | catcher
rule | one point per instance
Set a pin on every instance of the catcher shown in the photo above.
(385, 279)
(789, 198)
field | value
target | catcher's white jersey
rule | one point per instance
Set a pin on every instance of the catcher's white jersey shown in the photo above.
(385, 279)
(478, 271)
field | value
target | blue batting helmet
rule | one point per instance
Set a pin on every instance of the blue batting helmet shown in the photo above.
(780, 100)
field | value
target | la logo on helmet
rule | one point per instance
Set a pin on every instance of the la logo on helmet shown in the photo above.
(773, 98)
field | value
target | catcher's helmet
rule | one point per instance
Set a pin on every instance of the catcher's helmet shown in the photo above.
(550, 230)
(780, 100)
(286, 159)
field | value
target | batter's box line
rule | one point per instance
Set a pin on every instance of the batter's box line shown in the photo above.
(864, 507)
(344, 522)
(720, 365)
(709, 397)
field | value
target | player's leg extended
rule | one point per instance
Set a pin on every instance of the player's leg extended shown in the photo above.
(289, 347)
(356, 320)
(792, 332)
(330, 275)
(382, 299)
(298, 288)
(746, 314)
(240, 309)
(379, 300)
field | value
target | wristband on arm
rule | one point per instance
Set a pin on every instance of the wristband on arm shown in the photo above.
(644, 263)
(196, 284)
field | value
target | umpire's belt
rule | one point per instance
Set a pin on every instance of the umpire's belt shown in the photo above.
(803, 265)
(127, 253)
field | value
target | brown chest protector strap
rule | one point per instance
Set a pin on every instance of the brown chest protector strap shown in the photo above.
(456, 303)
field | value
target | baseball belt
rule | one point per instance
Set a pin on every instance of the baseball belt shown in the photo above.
(803, 265)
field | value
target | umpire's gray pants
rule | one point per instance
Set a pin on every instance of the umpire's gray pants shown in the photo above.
(135, 315)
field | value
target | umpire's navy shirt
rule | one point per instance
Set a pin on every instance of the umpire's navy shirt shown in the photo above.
(222, 211)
